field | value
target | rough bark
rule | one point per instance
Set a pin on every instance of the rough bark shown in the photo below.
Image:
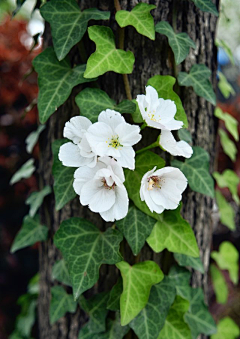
(151, 58)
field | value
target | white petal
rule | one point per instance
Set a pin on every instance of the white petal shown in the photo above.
(69, 155)
(111, 118)
(128, 134)
(185, 150)
(166, 110)
(127, 158)
(83, 175)
(168, 195)
(180, 148)
(151, 204)
(152, 96)
(117, 169)
(99, 136)
(74, 129)
(175, 174)
(173, 125)
(120, 208)
(142, 104)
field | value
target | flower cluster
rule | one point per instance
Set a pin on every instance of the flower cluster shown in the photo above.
(101, 151)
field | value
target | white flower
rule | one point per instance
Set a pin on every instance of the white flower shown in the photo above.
(78, 152)
(112, 136)
(102, 189)
(162, 189)
(181, 148)
(158, 113)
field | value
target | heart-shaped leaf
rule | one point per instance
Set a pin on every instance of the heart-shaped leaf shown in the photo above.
(32, 138)
(60, 273)
(226, 211)
(226, 329)
(219, 284)
(180, 277)
(230, 122)
(35, 199)
(206, 6)
(24, 172)
(228, 145)
(187, 261)
(60, 304)
(230, 180)
(114, 296)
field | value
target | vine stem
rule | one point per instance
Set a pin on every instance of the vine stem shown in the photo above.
(174, 25)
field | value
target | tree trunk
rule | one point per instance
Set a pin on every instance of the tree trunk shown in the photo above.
(151, 58)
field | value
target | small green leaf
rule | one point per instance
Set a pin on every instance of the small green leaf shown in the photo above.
(185, 135)
(56, 80)
(227, 49)
(85, 249)
(187, 261)
(196, 169)
(35, 199)
(24, 172)
(230, 122)
(149, 322)
(230, 180)
(225, 87)
(180, 43)
(198, 78)
(206, 6)
(63, 178)
(164, 86)
(227, 213)
(60, 304)
(146, 160)
(26, 318)
(180, 278)
(227, 259)
(219, 284)
(114, 296)
(125, 106)
(226, 329)
(228, 145)
(32, 138)
(107, 57)
(68, 23)
(136, 227)
(60, 273)
(137, 282)
(30, 233)
(140, 18)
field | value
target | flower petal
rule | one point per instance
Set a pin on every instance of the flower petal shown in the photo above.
(174, 174)
(152, 96)
(127, 158)
(99, 136)
(180, 148)
(128, 134)
(166, 110)
(83, 175)
(173, 125)
(142, 104)
(69, 155)
(120, 208)
(111, 118)
(75, 128)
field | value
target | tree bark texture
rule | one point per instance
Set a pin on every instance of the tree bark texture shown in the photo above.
(152, 58)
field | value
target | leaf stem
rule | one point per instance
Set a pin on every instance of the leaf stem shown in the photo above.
(153, 145)
(143, 126)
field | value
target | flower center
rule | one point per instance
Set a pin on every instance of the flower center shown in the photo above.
(114, 142)
(151, 115)
(106, 185)
(154, 182)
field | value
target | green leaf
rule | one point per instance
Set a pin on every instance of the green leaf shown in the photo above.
(187, 261)
(92, 101)
(173, 233)
(68, 23)
(198, 78)
(63, 178)
(24, 172)
(224, 86)
(85, 249)
(96, 308)
(30, 233)
(206, 6)
(185, 135)
(60, 304)
(107, 57)
(180, 277)
(164, 86)
(26, 318)
(136, 115)
(136, 227)
(35, 199)
(198, 318)
(60, 273)
(151, 319)
(219, 284)
(179, 43)
(140, 18)
(230, 180)
(227, 213)
(230, 122)
(114, 296)
(227, 259)
(137, 282)
(196, 169)
(228, 145)
(226, 329)
(56, 80)
(175, 326)
(227, 49)
(32, 138)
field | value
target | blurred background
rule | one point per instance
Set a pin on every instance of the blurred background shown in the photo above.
(20, 42)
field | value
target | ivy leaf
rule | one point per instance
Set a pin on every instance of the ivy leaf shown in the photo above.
(173, 233)
(179, 43)
(180, 277)
(85, 249)
(198, 78)
(60, 304)
(56, 80)
(226, 329)
(24, 172)
(227, 259)
(92, 101)
(27, 316)
(228, 145)
(107, 57)
(219, 284)
(140, 18)
(227, 213)
(227, 49)
(187, 261)
(149, 322)
(137, 282)
(196, 169)
(230, 180)
(63, 178)
(32, 138)
(68, 23)
(35, 199)
(230, 122)
(114, 296)
(185, 135)
(136, 227)
(164, 86)
(206, 6)
(30, 233)
(146, 160)
(198, 317)
(60, 273)
(224, 86)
